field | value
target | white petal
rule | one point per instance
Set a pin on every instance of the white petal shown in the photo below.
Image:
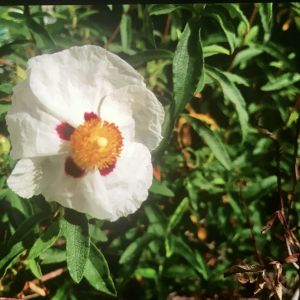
(74, 81)
(87, 194)
(127, 185)
(32, 129)
(26, 177)
(135, 106)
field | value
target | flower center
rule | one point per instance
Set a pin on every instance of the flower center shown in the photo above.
(96, 143)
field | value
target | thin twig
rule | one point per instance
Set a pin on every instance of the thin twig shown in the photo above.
(167, 28)
(112, 37)
(250, 224)
(7, 63)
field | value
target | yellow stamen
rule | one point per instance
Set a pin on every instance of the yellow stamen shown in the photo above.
(96, 143)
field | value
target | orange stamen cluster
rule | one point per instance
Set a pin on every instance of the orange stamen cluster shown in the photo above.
(96, 143)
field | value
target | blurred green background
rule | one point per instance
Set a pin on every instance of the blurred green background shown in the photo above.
(228, 77)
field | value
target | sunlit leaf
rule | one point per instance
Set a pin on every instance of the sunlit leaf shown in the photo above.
(211, 139)
(266, 14)
(76, 231)
(187, 65)
(281, 82)
(233, 94)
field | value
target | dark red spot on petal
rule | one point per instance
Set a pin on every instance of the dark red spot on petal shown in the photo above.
(65, 131)
(107, 170)
(89, 116)
(72, 169)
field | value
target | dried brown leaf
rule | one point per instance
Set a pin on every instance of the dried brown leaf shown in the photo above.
(245, 268)
(271, 221)
(259, 283)
(278, 290)
(291, 258)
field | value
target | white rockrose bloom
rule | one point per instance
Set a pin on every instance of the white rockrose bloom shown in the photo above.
(83, 124)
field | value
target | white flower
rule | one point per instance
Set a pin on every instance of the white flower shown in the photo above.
(83, 125)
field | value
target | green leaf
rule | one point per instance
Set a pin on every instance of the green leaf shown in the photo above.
(259, 188)
(201, 82)
(157, 220)
(149, 55)
(53, 256)
(35, 268)
(252, 35)
(211, 139)
(75, 228)
(202, 264)
(126, 33)
(169, 244)
(97, 272)
(236, 78)
(26, 227)
(226, 26)
(187, 66)
(272, 49)
(148, 28)
(97, 234)
(246, 55)
(266, 14)
(86, 14)
(181, 248)
(177, 215)
(282, 81)
(46, 240)
(63, 291)
(179, 271)
(235, 12)
(160, 188)
(6, 88)
(214, 49)
(9, 48)
(41, 34)
(137, 247)
(8, 256)
(231, 92)
(146, 273)
(161, 9)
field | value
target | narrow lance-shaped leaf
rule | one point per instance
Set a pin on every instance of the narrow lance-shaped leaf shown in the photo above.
(148, 27)
(201, 81)
(97, 272)
(149, 55)
(214, 49)
(26, 227)
(177, 215)
(181, 248)
(136, 247)
(169, 244)
(231, 92)
(235, 12)
(272, 49)
(187, 65)
(126, 33)
(157, 219)
(75, 228)
(41, 32)
(282, 81)
(225, 24)
(211, 139)
(161, 9)
(46, 240)
(6, 257)
(266, 14)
